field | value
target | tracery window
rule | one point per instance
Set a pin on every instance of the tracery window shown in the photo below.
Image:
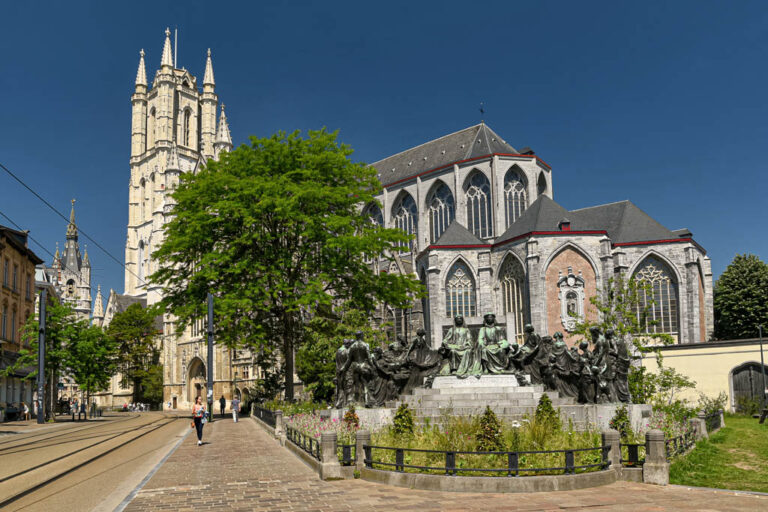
(512, 277)
(479, 205)
(441, 211)
(187, 117)
(460, 292)
(373, 212)
(541, 184)
(660, 297)
(405, 217)
(515, 201)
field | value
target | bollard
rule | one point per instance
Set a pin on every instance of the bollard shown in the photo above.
(362, 437)
(613, 438)
(279, 428)
(699, 426)
(656, 467)
(329, 465)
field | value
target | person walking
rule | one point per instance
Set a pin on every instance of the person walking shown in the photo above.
(198, 418)
(223, 404)
(26, 411)
(235, 408)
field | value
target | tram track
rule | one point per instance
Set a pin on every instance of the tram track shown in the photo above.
(17, 489)
(55, 434)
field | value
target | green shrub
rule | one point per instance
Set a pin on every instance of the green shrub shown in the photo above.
(351, 419)
(620, 422)
(489, 437)
(747, 405)
(546, 415)
(709, 405)
(403, 421)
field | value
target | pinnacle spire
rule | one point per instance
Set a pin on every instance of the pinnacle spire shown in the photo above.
(98, 305)
(167, 58)
(222, 134)
(72, 227)
(141, 74)
(86, 260)
(208, 78)
(173, 160)
(56, 256)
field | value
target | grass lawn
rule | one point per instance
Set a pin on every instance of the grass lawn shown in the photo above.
(736, 457)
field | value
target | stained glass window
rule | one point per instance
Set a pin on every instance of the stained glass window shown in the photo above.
(479, 220)
(460, 292)
(405, 217)
(514, 196)
(660, 297)
(441, 211)
(512, 279)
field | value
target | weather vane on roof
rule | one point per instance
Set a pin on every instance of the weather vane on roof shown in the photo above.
(482, 111)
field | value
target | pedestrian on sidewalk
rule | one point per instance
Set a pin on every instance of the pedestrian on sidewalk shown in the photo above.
(235, 408)
(223, 404)
(198, 418)
(26, 412)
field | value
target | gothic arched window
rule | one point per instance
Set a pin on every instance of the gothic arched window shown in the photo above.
(405, 217)
(514, 196)
(373, 212)
(187, 126)
(143, 198)
(441, 211)
(479, 220)
(512, 277)
(460, 292)
(659, 296)
(541, 183)
(140, 263)
(151, 135)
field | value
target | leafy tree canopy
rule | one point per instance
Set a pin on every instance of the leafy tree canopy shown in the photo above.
(91, 359)
(741, 298)
(275, 231)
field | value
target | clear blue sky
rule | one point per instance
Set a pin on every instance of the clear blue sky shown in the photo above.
(662, 103)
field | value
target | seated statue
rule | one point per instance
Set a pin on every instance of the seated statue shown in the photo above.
(424, 362)
(492, 345)
(458, 340)
(359, 364)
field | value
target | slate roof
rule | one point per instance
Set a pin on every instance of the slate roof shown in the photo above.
(456, 234)
(475, 141)
(543, 215)
(18, 239)
(623, 221)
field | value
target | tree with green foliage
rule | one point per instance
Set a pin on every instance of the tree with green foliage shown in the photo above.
(489, 437)
(275, 232)
(90, 359)
(134, 333)
(741, 298)
(62, 330)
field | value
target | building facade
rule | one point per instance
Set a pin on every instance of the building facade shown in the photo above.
(174, 130)
(489, 237)
(17, 304)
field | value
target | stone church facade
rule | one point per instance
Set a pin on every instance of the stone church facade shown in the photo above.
(489, 237)
(174, 130)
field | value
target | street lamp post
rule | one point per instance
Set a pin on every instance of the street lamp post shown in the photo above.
(762, 365)
(210, 357)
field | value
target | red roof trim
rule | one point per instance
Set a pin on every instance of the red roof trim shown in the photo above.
(651, 242)
(467, 246)
(463, 162)
(544, 233)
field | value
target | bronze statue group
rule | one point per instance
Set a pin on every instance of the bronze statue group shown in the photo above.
(590, 376)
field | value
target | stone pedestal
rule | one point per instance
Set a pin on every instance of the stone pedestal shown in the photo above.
(485, 381)
(656, 467)
(329, 466)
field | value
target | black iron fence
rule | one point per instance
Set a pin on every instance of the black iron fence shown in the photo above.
(631, 454)
(680, 444)
(307, 443)
(510, 463)
(712, 421)
(264, 415)
(347, 454)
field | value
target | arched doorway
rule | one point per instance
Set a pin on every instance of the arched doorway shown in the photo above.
(747, 385)
(196, 380)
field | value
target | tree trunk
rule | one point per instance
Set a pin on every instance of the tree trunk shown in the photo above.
(288, 356)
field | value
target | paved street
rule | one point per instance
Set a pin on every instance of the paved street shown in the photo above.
(241, 468)
(77, 466)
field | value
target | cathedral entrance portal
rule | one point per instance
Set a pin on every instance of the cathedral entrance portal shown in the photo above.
(196, 380)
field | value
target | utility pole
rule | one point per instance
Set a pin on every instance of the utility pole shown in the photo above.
(210, 357)
(41, 360)
(762, 365)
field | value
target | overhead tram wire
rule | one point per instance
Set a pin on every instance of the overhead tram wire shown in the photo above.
(57, 212)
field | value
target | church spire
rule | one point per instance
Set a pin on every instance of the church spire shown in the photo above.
(86, 260)
(141, 74)
(222, 134)
(72, 227)
(98, 308)
(167, 58)
(208, 78)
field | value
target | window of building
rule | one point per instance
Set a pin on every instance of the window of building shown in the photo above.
(660, 297)
(6, 271)
(373, 212)
(4, 323)
(15, 277)
(187, 126)
(478, 191)
(141, 262)
(515, 201)
(541, 183)
(441, 211)
(14, 327)
(512, 277)
(28, 287)
(405, 217)
(460, 292)
(151, 135)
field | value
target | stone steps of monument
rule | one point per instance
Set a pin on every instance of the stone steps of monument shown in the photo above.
(477, 402)
(482, 395)
(575, 412)
(479, 389)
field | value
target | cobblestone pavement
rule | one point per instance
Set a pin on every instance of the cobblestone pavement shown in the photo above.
(242, 468)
